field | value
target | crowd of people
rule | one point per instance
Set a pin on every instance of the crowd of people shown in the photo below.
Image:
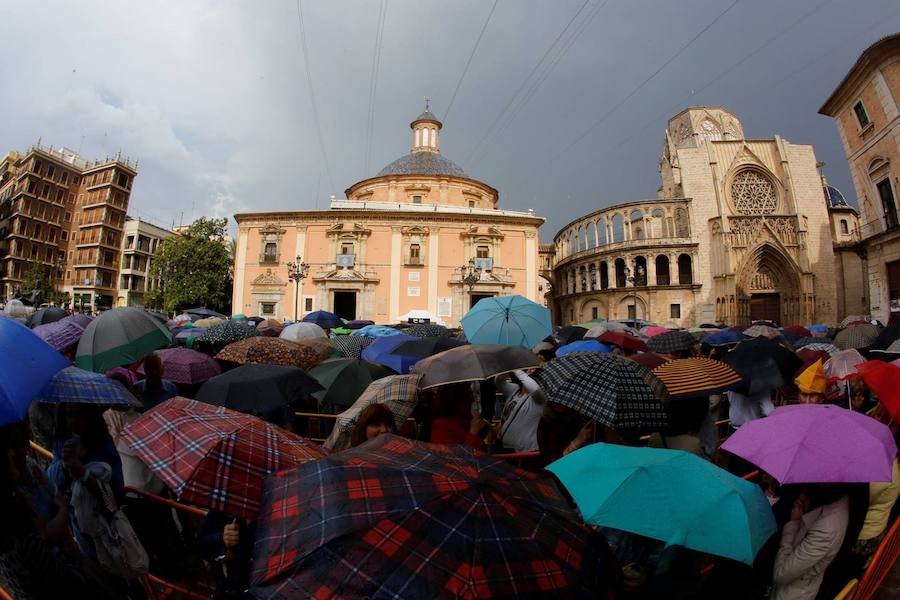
(84, 523)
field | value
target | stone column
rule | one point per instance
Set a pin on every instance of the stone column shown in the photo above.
(433, 250)
(396, 261)
(531, 257)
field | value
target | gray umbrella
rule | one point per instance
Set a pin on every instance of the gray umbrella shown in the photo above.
(48, 314)
(120, 336)
(473, 363)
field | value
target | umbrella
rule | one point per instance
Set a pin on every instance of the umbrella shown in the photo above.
(857, 336)
(650, 360)
(342, 331)
(255, 320)
(591, 345)
(425, 330)
(261, 390)
(420, 316)
(888, 336)
(270, 328)
(181, 365)
(395, 518)
(592, 323)
(358, 323)
(323, 319)
(805, 341)
(692, 377)
(80, 319)
(262, 351)
(48, 314)
(611, 326)
(569, 334)
(379, 351)
(891, 351)
(208, 323)
(238, 317)
(343, 380)
(816, 443)
(398, 393)
(843, 365)
(193, 332)
(605, 387)
(351, 346)
(120, 336)
(831, 349)
(850, 319)
(302, 331)
(670, 342)
(473, 362)
(509, 320)
(798, 331)
(204, 312)
(212, 456)
(15, 309)
(77, 386)
(184, 318)
(227, 332)
(809, 357)
(763, 364)
(423, 347)
(313, 351)
(376, 331)
(27, 364)
(668, 495)
(60, 334)
(625, 341)
(653, 330)
(762, 331)
(823, 329)
(882, 377)
(725, 337)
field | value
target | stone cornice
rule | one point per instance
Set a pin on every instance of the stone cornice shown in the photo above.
(329, 217)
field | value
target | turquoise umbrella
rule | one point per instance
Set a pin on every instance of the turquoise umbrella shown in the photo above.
(507, 320)
(668, 495)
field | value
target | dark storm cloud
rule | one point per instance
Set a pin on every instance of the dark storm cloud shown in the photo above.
(212, 97)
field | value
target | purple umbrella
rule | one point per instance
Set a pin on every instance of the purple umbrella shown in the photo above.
(181, 365)
(83, 320)
(817, 443)
(60, 334)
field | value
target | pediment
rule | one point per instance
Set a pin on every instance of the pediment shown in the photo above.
(267, 278)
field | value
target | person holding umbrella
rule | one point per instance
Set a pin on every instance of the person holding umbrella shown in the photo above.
(811, 384)
(522, 411)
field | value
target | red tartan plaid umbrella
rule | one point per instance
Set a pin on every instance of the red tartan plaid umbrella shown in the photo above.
(212, 456)
(395, 518)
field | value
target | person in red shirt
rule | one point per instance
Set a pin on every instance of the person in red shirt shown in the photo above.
(453, 421)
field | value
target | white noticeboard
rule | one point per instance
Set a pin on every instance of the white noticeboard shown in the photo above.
(444, 306)
(412, 291)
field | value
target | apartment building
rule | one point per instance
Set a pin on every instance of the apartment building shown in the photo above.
(140, 240)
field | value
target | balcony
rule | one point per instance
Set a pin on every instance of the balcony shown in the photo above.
(484, 263)
(268, 258)
(414, 261)
(888, 223)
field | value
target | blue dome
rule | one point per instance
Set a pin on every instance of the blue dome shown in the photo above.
(423, 163)
(834, 198)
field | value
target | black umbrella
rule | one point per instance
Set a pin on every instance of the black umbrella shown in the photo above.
(422, 347)
(763, 364)
(267, 391)
(48, 314)
(887, 337)
(569, 334)
(472, 363)
(424, 330)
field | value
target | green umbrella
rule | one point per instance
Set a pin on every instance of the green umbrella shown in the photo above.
(344, 380)
(120, 336)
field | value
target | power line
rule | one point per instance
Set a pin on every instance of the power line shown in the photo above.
(471, 56)
(373, 81)
(647, 80)
(312, 95)
(515, 95)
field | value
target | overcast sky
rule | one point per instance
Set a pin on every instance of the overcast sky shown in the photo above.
(562, 108)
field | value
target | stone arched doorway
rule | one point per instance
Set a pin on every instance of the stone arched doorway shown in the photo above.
(769, 288)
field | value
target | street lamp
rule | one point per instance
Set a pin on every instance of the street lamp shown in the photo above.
(638, 275)
(470, 274)
(297, 272)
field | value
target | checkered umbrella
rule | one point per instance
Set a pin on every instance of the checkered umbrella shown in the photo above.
(805, 341)
(850, 319)
(671, 341)
(181, 365)
(262, 351)
(762, 331)
(351, 346)
(397, 392)
(60, 334)
(395, 518)
(212, 456)
(857, 336)
(77, 386)
(831, 349)
(425, 330)
(605, 387)
(693, 377)
(227, 332)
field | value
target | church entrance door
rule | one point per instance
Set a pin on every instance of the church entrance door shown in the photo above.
(765, 307)
(345, 305)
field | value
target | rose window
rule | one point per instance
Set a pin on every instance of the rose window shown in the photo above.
(753, 193)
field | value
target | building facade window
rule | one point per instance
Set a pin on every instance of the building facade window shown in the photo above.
(845, 228)
(753, 193)
(886, 194)
(862, 117)
(417, 199)
(307, 304)
(685, 270)
(593, 312)
(267, 308)
(675, 311)
(483, 252)
(662, 270)
(604, 275)
(347, 248)
(620, 273)
(270, 253)
(415, 256)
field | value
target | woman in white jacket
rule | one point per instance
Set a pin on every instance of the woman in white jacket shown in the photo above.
(522, 411)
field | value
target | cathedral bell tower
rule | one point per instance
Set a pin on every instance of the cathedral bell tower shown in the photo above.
(426, 132)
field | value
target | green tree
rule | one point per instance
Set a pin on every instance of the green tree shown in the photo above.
(38, 278)
(194, 268)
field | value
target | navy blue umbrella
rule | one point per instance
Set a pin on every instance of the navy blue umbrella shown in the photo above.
(324, 319)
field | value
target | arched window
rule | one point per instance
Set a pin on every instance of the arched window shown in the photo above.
(637, 225)
(582, 278)
(640, 271)
(620, 273)
(618, 228)
(601, 229)
(593, 277)
(604, 275)
(685, 270)
(659, 224)
(591, 233)
(662, 270)
(753, 193)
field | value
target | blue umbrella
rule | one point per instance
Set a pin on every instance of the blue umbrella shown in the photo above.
(379, 352)
(507, 320)
(724, 337)
(583, 346)
(324, 319)
(668, 495)
(28, 363)
(77, 386)
(376, 331)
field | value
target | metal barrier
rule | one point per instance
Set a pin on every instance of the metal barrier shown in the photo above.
(883, 562)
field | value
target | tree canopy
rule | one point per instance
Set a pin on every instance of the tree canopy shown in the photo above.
(194, 268)
(38, 278)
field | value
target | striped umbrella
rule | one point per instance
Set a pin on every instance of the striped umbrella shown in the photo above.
(693, 377)
(857, 336)
(120, 336)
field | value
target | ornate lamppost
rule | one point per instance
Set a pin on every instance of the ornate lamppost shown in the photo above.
(632, 275)
(469, 275)
(297, 272)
